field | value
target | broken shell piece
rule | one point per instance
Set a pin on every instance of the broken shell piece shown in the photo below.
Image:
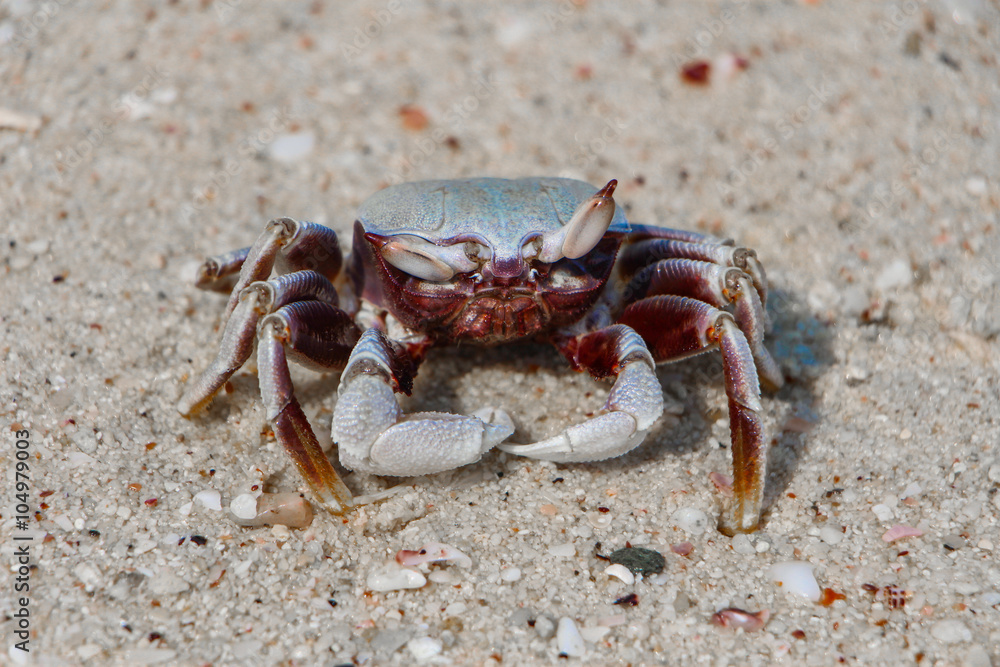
(723, 483)
(734, 619)
(899, 531)
(797, 578)
(682, 549)
(433, 552)
(621, 572)
(272, 509)
(22, 122)
(392, 577)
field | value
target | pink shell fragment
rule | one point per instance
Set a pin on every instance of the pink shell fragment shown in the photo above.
(723, 483)
(433, 552)
(899, 531)
(682, 549)
(734, 619)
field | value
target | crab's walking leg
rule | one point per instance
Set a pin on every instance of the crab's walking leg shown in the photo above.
(319, 335)
(642, 253)
(254, 302)
(716, 285)
(634, 404)
(217, 272)
(289, 245)
(375, 436)
(697, 326)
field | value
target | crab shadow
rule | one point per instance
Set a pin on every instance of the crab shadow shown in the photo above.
(524, 377)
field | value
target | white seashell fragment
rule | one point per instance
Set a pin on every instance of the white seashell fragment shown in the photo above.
(433, 552)
(621, 572)
(392, 577)
(424, 648)
(568, 639)
(209, 499)
(796, 577)
(511, 574)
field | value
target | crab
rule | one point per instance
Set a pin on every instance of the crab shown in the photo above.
(488, 261)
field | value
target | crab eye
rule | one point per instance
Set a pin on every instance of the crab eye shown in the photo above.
(425, 260)
(584, 230)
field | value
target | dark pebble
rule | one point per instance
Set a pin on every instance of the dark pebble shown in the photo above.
(639, 560)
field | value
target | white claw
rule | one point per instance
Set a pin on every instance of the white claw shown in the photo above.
(635, 403)
(374, 436)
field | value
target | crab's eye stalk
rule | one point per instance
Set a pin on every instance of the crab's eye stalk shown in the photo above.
(425, 260)
(584, 230)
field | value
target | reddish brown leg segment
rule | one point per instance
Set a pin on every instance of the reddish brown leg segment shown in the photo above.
(322, 335)
(694, 327)
(718, 286)
(643, 253)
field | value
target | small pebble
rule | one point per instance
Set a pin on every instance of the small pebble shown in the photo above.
(511, 574)
(953, 542)
(566, 550)
(621, 572)
(994, 473)
(39, 247)
(393, 577)
(691, 520)
(796, 577)
(568, 639)
(895, 275)
(443, 577)
(831, 535)
(639, 560)
(292, 147)
(883, 512)
(545, 627)
(424, 648)
(244, 507)
(594, 633)
(912, 489)
(951, 631)
(210, 499)
(743, 545)
(976, 186)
